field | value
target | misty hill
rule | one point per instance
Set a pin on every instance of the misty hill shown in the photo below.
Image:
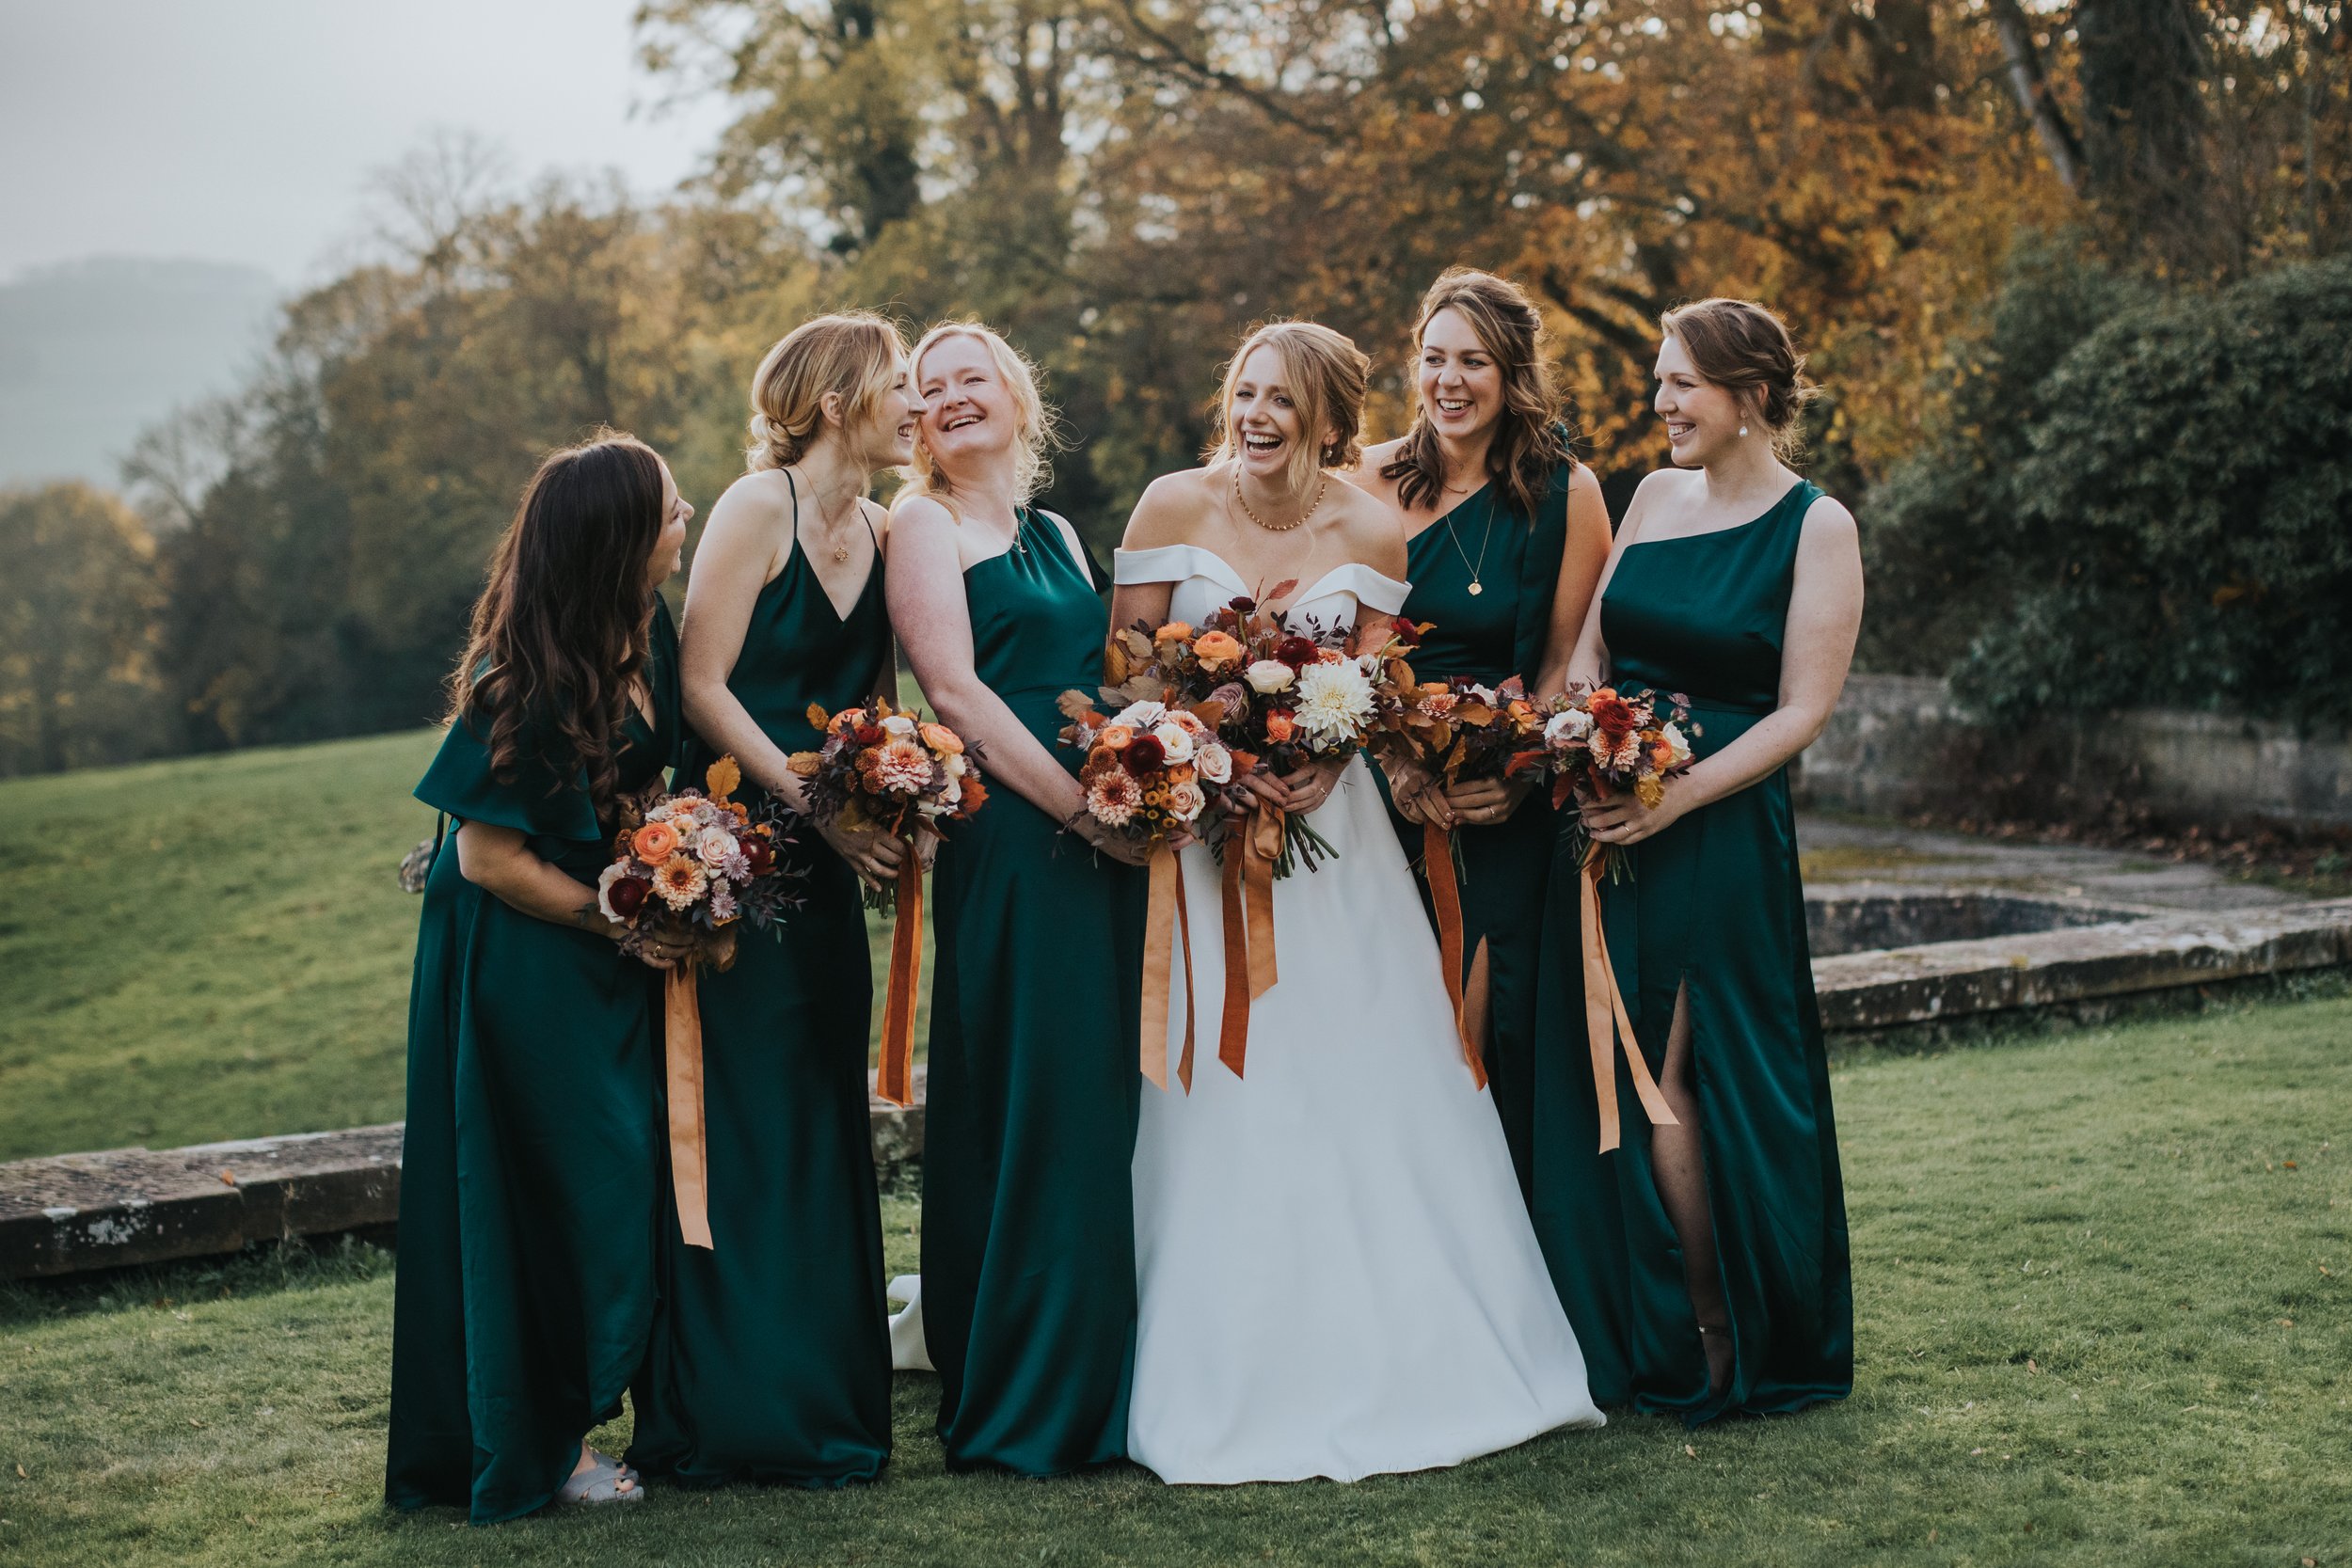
(92, 352)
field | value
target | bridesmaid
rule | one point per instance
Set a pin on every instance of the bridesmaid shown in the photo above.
(773, 1360)
(1506, 533)
(532, 1168)
(1712, 1272)
(1029, 1242)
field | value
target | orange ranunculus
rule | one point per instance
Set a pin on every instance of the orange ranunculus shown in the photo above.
(848, 718)
(939, 737)
(1116, 736)
(1175, 631)
(654, 843)
(975, 796)
(1280, 725)
(1215, 650)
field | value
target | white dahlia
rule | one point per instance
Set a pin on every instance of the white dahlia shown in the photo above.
(1334, 702)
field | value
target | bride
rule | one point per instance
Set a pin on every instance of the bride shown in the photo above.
(1336, 1276)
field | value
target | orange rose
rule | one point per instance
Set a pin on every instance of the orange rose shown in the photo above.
(1279, 726)
(939, 737)
(1116, 737)
(1175, 631)
(1215, 650)
(654, 843)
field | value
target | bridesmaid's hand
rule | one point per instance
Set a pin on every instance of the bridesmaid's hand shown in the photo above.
(1412, 789)
(1483, 801)
(1623, 818)
(1118, 847)
(874, 856)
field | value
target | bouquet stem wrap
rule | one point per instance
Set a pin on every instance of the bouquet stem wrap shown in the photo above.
(1437, 854)
(682, 1029)
(1166, 924)
(1250, 971)
(895, 1082)
(1605, 1021)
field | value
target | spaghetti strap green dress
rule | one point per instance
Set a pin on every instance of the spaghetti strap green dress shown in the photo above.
(1502, 867)
(773, 1359)
(1713, 902)
(531, 1165)
(1028, 1224)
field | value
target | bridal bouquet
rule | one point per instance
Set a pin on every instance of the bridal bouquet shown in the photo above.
(887, 769)
(695, 867)
(1601, 742)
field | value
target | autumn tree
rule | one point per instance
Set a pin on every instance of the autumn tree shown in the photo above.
(77, 671)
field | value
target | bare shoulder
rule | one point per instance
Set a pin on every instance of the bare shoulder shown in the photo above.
(1373, 529)
(1070, 537)
(1827, 522)
(1584, 482)
(920, 515)
(1169, 509)
(1662, 489)
(1366, 474)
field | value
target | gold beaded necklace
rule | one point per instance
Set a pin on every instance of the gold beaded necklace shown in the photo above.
(1242, 501)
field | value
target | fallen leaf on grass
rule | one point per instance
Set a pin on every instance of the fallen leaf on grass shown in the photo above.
(21, 1475)
(1688, 1450)
(193, 1423)
(2033, 1365)
(2286, 1323)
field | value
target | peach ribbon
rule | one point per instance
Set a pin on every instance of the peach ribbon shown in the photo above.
(1436, 858)
(1250, 967)
(1166, 922)
(894, 1079)
(1605, 1021)
(682, 1030)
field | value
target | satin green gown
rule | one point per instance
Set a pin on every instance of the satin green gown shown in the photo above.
(531, 1170)
(773, 1359)
(1713, 902)
(1502, 867)
(1028, 1226)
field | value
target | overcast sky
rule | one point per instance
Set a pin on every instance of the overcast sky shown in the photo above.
(246, 130)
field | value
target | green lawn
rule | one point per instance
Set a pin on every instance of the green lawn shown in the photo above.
(211, 948)
(2102, 1321)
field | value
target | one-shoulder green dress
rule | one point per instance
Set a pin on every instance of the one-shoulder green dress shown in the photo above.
(773, 1359)
(532, 1168)
(1713, 902)
(1028, 1224)
(1504, 866)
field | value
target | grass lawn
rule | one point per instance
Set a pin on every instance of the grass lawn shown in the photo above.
(225, 957)
(2102, 1321)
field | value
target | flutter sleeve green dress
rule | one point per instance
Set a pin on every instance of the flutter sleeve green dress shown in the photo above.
(1713, 902)
(773, 1359)
(1487, 636)
(1028, 1223)
(530, 1172)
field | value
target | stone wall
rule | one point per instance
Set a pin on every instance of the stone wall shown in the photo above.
(1898, 743)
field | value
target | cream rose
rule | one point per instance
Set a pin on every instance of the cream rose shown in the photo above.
(714, 846)
(1185, 800)
(1175, 745)
(1270, 675)
(1213, 762)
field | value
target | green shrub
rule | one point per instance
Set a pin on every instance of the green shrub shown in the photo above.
(2162, 516)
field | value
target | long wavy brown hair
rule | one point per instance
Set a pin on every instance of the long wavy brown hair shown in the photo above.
(562, 633)
(1529, 440)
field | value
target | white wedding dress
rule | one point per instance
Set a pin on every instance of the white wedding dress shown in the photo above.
(1336, 1273)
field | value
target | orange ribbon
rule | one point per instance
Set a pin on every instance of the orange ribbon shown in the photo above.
(1437, 859)
(1605, 1021)
(682, 1030)
(895, 1080)
(1165, 923)
(1250, 967)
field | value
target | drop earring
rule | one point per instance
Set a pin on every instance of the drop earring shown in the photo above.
(1743, 430)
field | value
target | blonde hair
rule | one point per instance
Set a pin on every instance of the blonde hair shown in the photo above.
(1036, 426)
(1326, 376)
(853, 352)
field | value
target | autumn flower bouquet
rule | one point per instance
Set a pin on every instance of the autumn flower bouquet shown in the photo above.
(696, 867)
(1154, 768)
(885, 769)
(888, 770)
(1599, 742)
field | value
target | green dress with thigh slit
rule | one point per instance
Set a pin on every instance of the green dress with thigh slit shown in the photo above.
(1028, 1226)
(532, 1168)
(1502, 866)
(773, 1359)
(1713, 902)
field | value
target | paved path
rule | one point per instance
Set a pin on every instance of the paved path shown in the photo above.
(1844, 851)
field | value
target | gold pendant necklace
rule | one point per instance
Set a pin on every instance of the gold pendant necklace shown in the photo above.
(1476, 585)
(840, 552)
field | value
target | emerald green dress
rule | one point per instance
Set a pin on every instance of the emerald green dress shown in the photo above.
(1029, 1226)
(1713, 902)
(530, 1174)
(773, 1359)
(1502, 868)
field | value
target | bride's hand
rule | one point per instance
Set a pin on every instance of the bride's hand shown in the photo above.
(1307, 788)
